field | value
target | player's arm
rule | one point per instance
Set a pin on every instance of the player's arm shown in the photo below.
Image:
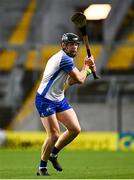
(78, 77)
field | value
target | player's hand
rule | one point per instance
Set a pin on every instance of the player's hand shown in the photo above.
(89, 61)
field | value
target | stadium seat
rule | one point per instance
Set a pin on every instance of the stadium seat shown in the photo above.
(32, 61)
(7, 59)
(20, 34)
(122, 58)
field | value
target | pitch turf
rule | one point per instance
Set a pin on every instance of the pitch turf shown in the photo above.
(22, 164)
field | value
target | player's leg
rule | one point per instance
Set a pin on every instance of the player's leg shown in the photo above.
(51, 125)
(69, 119)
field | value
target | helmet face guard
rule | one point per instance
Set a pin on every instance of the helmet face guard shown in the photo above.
(70, 38)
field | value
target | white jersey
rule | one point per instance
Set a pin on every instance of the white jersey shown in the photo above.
(55, 75)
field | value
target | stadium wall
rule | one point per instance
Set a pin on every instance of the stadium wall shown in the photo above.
(92, 117)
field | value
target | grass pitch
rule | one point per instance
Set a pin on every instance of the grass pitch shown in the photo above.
(22, 164)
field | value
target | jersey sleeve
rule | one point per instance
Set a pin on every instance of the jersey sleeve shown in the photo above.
(67, 64)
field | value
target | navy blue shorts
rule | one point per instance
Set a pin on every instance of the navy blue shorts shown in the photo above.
(47, 107)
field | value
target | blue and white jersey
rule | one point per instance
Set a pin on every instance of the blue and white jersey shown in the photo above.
(55, 75)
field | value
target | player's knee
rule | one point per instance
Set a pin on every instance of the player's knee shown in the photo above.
(55, 136)
(76, 131)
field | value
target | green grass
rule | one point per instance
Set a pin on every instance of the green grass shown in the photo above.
(22, 164)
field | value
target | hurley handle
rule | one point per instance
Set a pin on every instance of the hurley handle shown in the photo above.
(85, 39)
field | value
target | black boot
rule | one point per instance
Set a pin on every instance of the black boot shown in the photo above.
(55, 163)
(42, 172)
